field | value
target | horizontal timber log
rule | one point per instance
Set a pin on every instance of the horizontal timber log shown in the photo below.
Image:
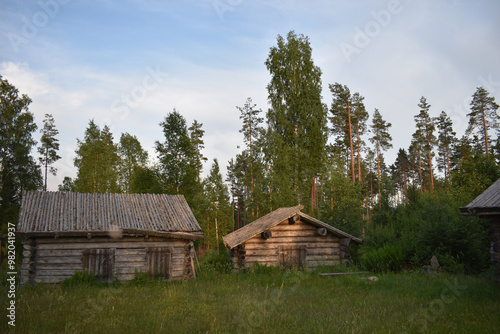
(270, 258)
(257, 252)
(271, 244)
(313, 264)
(52, 240)
(117, 245)
(323, 251)
(52, 266)
(51, 279)
(290, 239)
(59, 260)
(130, 258)
(55, 272)
(59, 252)
(322, 258)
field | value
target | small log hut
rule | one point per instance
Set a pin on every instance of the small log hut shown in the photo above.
(111, 236)
(487, 206)
(289, 237)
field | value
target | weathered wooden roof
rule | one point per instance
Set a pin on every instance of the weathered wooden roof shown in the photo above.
(65, 213)
(488, 203)
(274, 218)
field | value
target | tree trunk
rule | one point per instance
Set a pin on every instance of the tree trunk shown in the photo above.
(420, 173)
(485, 130)
(378, 164)
(350, 141)
(430, 165)
(360, 178)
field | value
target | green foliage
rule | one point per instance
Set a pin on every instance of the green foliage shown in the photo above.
(80, 279)
(483, 116)
(97, 161)
(384, 259)
(49, 146)
(212, 262)
(177, 157)
(18, 169)
(297, 120)
(132, 157)
(431, 224)
(342, 208)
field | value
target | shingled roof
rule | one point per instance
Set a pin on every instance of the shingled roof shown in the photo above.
(488, 203)
(274, 218)
(72, 214)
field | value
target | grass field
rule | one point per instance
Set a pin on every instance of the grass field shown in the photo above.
(265, 301)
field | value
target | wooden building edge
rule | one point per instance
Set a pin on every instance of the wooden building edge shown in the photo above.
(487, 206)
(112, 257)
(289, 238)
(110, 236)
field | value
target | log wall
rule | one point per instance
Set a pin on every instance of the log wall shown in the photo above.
(50, 260)
(299, 239)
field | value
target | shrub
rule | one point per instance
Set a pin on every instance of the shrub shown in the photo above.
(384, 259)
(80, 278)
(215, 262)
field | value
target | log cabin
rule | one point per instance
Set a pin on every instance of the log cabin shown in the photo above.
(487, 206)
(110, 236)
(290, 238)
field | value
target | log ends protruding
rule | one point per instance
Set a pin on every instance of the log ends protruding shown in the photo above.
(266, 235)
(321, 231)
(294, 219)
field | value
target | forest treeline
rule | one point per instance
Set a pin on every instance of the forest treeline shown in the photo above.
(329, 157)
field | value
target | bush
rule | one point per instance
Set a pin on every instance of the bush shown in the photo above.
(80, 278)
(431, 224)
(215, 262)
(384, 259)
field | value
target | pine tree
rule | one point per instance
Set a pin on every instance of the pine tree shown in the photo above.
(297, 117)
(483, 116)
(446, 139)
(424, 136)
(342, 118)
(359, 118)
(97, 161)
(49, 146)
(381, 138)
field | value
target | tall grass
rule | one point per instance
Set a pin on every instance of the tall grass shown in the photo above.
(264, 300)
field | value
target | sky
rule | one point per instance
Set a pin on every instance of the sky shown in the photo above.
(127, 64)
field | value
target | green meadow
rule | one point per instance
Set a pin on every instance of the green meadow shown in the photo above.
(263, 300)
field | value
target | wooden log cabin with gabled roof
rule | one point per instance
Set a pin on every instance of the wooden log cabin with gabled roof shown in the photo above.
(487, 206)
(111, 236)
(289, 237)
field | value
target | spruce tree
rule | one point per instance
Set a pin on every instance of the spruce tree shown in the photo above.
(424, 136)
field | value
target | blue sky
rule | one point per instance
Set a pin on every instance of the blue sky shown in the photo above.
(127, 64)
